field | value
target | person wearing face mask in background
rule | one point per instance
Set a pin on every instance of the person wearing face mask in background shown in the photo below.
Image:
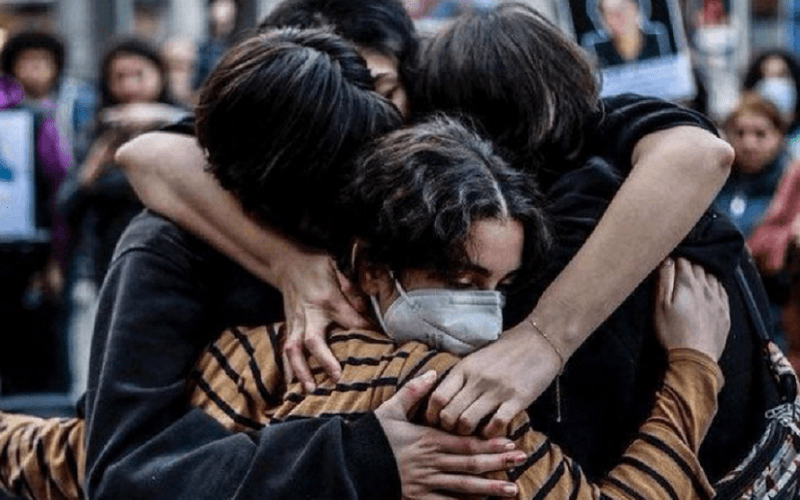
(775, 75)
(756, 130)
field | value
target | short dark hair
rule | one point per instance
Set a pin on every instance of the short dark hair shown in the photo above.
(526, 84)
(383, 26)
(755, 75)
(279, 117)
(136, 47)
(25, 40)
(415, 193)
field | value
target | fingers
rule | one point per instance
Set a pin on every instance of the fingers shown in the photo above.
(684, 275)
(410, 395)
(501, 419)
(294, 354)
(447, 389)
(472, 485)
(666, 282)
(318, 348)
(452, 412)
(468, 445)
(474, 415)
(481, 464)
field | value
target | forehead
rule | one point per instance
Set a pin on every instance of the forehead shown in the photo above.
(496, 245)
(751, 119)
(379, 64)
(36, 53)
(131, 62)
(774, 66)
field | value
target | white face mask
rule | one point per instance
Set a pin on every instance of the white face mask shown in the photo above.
(781, 92)
(456, 321)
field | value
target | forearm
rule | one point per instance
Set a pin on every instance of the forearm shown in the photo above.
(44, 458)
(676, 174)
(669, 440)
(166, 171)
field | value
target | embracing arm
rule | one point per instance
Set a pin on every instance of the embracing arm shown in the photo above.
(676, 174)
(166, 171)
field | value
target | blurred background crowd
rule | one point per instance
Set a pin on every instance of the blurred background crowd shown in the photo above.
(90, 74)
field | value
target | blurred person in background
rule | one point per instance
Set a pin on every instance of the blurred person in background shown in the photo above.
(96, 198)
(179, 56)
(221, 31)
(775, 74)
(756, 130)
(775, 245)
(35, 62)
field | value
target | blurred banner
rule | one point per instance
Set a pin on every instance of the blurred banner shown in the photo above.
(17, 217)
(639, 45)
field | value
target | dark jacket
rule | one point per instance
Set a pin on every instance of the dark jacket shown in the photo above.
(608, 385)
(165, 296)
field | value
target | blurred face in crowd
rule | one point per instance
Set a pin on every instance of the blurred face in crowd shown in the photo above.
(621, 17)
(133, 78)
(775, 67)
(36, 71)
(756, 141)
(223, 16)
(494, 249)
(384, 70)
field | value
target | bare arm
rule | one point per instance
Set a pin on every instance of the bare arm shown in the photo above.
(676, 174)
(167, 172)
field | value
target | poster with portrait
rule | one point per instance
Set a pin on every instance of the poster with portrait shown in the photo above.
(17, 195)
(639, 45)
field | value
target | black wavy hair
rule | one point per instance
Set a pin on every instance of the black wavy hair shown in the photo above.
(753, 75)
(279, 116)
(383, 26)
(136, 47)
(25, 40)
(526, 84)
(414, 194)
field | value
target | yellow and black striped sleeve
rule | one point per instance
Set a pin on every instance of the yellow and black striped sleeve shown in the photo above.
(41, 459)
(239, 382)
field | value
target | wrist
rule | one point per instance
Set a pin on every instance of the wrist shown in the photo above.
(564, 330)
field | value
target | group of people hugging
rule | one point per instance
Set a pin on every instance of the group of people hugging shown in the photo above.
(441, 269)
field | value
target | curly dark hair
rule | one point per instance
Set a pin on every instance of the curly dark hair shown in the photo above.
(415, 193)
(280, 116)
(528, 86)
(25, 40)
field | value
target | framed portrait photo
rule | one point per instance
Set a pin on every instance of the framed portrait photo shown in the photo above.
(638, 45)
(17, 178)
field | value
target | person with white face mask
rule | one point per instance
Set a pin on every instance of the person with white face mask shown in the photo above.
(775, 75)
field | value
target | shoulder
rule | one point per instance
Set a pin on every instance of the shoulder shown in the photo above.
(150, 233)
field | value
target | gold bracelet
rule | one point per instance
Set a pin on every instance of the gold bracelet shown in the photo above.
(555, 349)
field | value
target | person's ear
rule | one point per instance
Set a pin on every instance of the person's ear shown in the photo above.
(371, 277)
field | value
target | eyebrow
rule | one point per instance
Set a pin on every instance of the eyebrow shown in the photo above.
(472, 267)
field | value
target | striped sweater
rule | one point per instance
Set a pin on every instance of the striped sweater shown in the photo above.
(239, 382)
